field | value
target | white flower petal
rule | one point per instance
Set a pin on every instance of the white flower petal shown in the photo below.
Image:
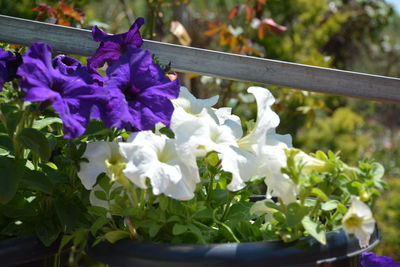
(267, 119)
(359, 221)
(155, 157)
(281, 140)
(281, 186)
(242, 165)
(192, 104)
(232, 121)
(360, 208)
(96, 153)
(195, 133)
(259, 208)
(363, 237)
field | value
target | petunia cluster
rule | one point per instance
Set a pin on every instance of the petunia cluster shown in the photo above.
(135, 94)
(170, 163)
(174, 167)
(166, 163)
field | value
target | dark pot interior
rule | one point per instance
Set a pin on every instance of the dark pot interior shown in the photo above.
(25, 251)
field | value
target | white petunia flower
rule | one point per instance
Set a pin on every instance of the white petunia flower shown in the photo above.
(188, 108)
(103, 157)
(263, 132)
(202, 136)
(225, 117)
(155, 157)
(200, 128)
(359, 221)
(271, 160)
(260, 208)
(191, 104)
(242, 165)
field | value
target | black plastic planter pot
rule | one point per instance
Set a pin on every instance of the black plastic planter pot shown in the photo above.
(341, 250)
(25, 251)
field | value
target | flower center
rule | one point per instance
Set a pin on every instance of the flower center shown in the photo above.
(115, 166)
(131, 92)
(353, 221)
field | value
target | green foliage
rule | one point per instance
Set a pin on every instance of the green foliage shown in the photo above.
(387, 213)
(341, 132)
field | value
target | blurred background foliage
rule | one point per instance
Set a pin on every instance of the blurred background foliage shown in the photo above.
(356, 35)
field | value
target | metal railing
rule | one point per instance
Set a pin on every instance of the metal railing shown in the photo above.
(213, 63)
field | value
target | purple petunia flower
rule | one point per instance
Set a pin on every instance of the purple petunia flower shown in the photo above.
(71, 66)
(74, 99)
(139, 91)
(5, 58)
(113, 46)
(369, 259)
(67, 65)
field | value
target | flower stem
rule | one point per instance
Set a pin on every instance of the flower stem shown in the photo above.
(210, 188)
(227, 207)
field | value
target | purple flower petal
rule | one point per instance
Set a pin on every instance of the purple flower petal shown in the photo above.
(5, 58)
(73, 67)
(369, 259)
(132, 37)
(140, 92)
(113, 46)
(65, 86)
(147, 111)
(66, 65)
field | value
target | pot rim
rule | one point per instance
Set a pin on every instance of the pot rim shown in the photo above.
(303, 252)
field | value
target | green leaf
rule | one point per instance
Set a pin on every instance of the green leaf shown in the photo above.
(96, 127)
(174, 218)
(329, 205)
(179, 229)
(6, 143)
(321, 155)
(47, 232)
(295, 213)
(279, 216)
(167, 132)
(163, 203)
(309, 202)
(70, 214)
(40, 124)
(11, 172)
(22, 208)
(314, 229)
(212, 159)
(13, 118)
(64, 241)
(341, 208)
(377, 170)
(101, 195)
(100, 222)
(377, 173)
(36, 142)
(154, 229)
(114, 236)
(272, 205)
(97, 211)
(196, 231)
(318, 193)
(80, 237)
(37, 181)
